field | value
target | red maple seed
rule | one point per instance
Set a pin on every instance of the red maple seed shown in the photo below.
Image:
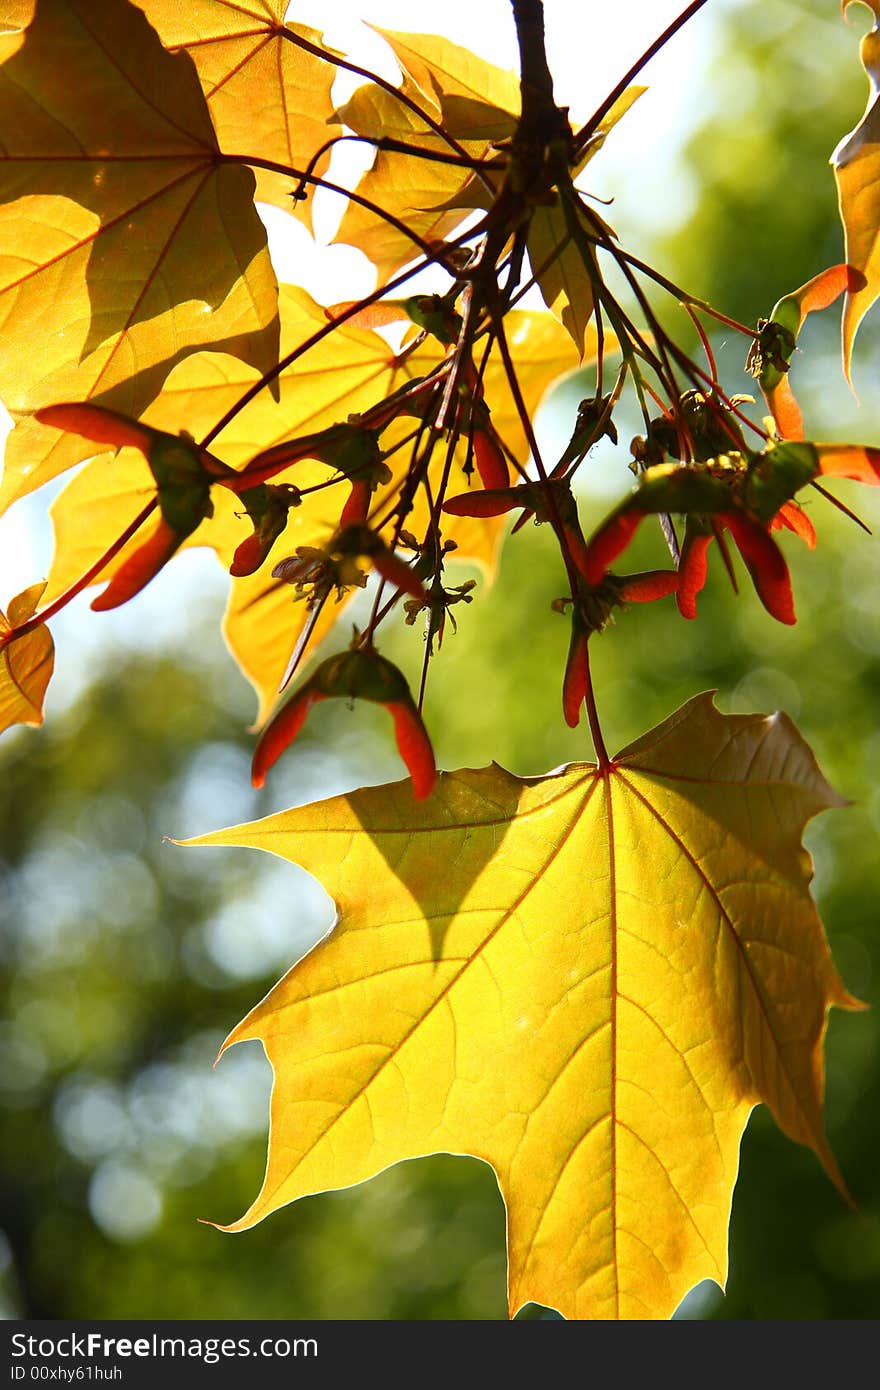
(692, 571)
(577, 674)
(609, 542)
(795, 519)
(644, 588)
(359, 674)
(490, 460)
(765, 563)
(414, 746)
(357, 505)
(136, 572)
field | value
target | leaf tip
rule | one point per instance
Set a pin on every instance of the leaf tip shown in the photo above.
(190, 842)
(231, 1229)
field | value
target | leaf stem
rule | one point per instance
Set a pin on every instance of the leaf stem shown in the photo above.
(304, 176)
(388, 144)
(602, 759)
(83, 582)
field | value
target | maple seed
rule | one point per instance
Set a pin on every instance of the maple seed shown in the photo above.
(591, 613)
(548, 500)
(354, 675)
(644, 588)
(490, 460)
(694, 566)
(137, 571)
(267, 506)
(360, 540)
(745, 495)
(183, 473)
(577, 671)
(435, 314)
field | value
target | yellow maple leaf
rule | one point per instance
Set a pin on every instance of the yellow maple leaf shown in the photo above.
(267, 90)
(477, 104)
(559, 260)
(26, 664)
(559, 267)
(612, 969)
(474, 99)
(106, 209)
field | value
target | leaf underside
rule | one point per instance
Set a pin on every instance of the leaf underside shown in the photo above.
(856, 162)
(476, 103)
(610, 972)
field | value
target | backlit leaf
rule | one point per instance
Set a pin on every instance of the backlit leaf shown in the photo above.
(474, 98)
(108, 206)
(609, 973)
(856, 162)
(624, 102)
(557, 257)
(558, 266)
(477, 103)
(347, 371)
(26, 664)
(268, 96)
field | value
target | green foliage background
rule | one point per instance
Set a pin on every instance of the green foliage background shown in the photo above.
(128, 960)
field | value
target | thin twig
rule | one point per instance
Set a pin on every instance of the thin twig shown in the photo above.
(592, 125)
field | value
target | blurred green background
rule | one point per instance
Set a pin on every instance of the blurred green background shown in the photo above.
(128, 960)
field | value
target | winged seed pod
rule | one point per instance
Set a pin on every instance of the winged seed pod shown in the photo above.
(353, 675)
(183, 473)
(749, 496)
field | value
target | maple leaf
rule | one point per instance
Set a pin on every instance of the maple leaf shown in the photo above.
(475, 102)
(268, 91)
(559, 267)
(559, 261)
(612, 969)
(25, 664)
(106, 209)
(474, 98)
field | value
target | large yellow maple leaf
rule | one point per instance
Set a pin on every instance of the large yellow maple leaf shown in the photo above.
(613, 967)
